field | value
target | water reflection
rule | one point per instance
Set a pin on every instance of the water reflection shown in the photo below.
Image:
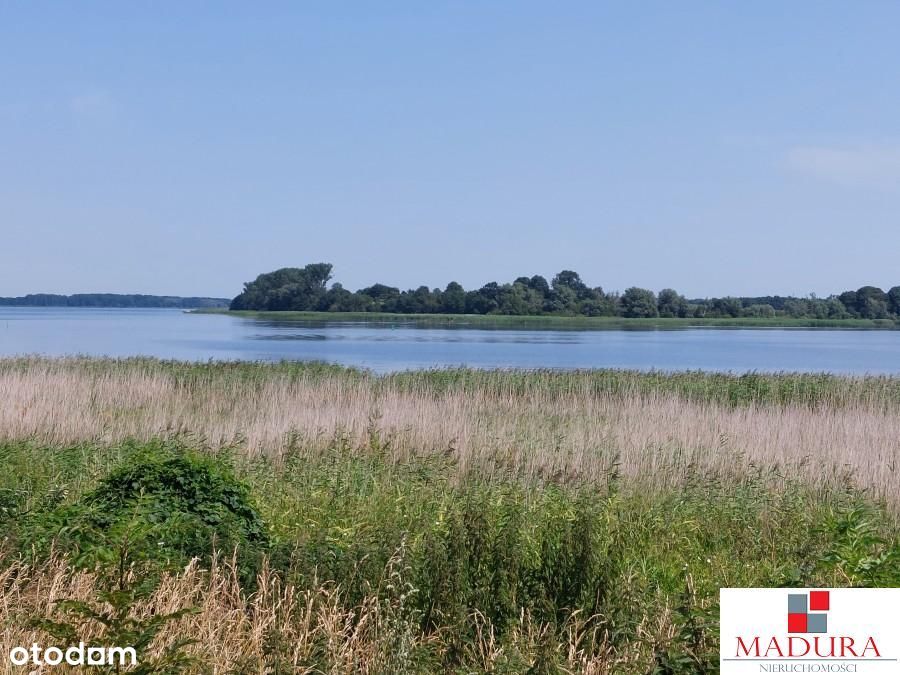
(402, 345)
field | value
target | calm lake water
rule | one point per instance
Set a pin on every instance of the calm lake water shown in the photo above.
(200, 337)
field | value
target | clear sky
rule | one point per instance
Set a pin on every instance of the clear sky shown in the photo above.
(715, 147)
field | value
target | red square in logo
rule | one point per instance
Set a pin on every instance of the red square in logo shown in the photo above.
(796, 623)
(819, 601)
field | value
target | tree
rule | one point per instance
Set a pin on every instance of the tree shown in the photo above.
(834, 309)
(894, 300)
(725, 307)
(339, 299)
(453, 300)
(539, 284)
(419, 301)
(289, 288)
(671, 304)
(485, 300)
(871, 302)
(570, 280)
(639, 302)
(760, 310)
(561, 300)
(848, 300)
(383, 298)
(796, 308)
(513, 299)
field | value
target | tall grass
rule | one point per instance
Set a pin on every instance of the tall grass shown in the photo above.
(379, 567)
(654, 427)
(444, 521)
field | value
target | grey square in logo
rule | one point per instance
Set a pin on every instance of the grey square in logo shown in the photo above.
(816, 623)
(797, 603)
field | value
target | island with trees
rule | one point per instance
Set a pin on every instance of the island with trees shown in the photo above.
(307, 290)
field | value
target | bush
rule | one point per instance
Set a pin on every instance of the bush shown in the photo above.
(177, 503)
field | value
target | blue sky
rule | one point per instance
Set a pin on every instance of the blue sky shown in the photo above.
(714, 147)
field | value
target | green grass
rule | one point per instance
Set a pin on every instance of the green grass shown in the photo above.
(638, 563)
(610, 552)
(498, 321)
(781, 389)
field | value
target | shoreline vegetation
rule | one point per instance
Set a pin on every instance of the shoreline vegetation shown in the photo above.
(295, 289)
(306, 518)
(552, 321)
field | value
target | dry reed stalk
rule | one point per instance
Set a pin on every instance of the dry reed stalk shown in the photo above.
(237, 633)
(576, 432)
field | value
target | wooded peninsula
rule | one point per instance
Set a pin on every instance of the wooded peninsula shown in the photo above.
(306, 289)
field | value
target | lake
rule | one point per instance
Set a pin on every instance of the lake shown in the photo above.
(174, 334)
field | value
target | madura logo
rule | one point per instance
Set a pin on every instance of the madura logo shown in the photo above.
(786, 630)
(807, 613)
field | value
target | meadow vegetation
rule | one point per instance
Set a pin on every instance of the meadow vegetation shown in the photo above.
(308, 518)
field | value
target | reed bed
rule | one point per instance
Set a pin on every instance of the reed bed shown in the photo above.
(654, 427)
(434, 521)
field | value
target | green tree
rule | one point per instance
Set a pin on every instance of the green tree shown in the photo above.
(848, 300)
(453, 300)
(289, 288)
(871, 302)
(796, 308)
(383, 298)
(569, 280)
(639, 302)
(539, 284)
(725, 307)
(894, 300)
(514, 299)
(671, 304)
(485, 300)
(419, 301)
(765, 311)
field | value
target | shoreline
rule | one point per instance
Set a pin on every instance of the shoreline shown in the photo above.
(514, 322)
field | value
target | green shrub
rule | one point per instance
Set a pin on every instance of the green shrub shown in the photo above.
(184, 504)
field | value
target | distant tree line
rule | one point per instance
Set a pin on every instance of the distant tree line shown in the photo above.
(306, 289)
(111, 300)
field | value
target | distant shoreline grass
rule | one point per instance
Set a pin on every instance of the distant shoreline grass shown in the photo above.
(558, 322)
